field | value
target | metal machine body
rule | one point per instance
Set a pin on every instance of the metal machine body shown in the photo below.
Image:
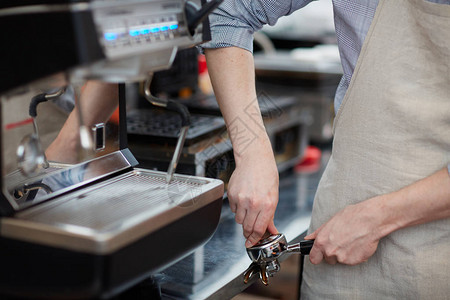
(91, 225)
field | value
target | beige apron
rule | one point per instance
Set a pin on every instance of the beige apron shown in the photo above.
(392, 129)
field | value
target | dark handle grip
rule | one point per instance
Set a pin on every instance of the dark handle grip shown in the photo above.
(182, 110)
(37, 186)
(306, 246)
(195, 17)
(34, 103)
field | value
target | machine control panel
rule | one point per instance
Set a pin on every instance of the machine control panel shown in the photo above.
(139, 37)
(132, 27)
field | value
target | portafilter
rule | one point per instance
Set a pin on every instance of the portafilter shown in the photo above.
(267, 251)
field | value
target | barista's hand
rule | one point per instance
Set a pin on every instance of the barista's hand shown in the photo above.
(350, 237)
(253, 192)
(253, 187)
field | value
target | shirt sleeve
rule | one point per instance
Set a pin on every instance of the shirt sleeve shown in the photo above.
(448, 168)
(234, 21)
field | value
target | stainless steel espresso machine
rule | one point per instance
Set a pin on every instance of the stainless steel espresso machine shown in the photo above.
(78, 219)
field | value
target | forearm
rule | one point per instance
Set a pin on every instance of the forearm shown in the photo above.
(424, 201)
(233, 78)
(352, 235)
(98, 101)
(253, 186)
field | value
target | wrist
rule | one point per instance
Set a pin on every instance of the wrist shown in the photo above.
(259, 149)
(387, 217)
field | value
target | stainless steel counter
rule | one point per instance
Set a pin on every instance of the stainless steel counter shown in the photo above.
(215, 271)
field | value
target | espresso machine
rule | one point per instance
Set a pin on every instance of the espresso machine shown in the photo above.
(78, 218)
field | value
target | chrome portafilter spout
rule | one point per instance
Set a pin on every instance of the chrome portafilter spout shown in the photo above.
(185, 123)
(267, 251)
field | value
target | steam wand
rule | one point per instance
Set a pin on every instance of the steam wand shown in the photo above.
(32, 110)
(30, 155)
(185, 123)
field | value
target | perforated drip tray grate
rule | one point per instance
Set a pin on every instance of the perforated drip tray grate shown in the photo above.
(159, 124)
(110, 214)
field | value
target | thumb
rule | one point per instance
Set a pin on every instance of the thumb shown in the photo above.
(271, 228)
(311, 236)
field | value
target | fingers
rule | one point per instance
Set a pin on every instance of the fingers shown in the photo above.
(255, 214)
(256, 224)
(233, 205)
(248, 225)
(271, 228)
(253, 197)
(315, 256)
(311, 236)
(318, 253)
(332, 260)
(241, 213)
(326, 250)
(260, 226)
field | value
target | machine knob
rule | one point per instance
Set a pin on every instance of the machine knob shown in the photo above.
(195, 16)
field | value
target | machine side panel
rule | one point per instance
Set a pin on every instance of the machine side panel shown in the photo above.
(35, 269)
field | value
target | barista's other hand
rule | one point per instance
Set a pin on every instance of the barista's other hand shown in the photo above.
(351, 236)
(253, 191)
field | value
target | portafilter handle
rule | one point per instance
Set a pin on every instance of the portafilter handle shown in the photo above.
(304, 247)
(274, 246)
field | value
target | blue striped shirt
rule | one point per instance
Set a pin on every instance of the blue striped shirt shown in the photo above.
(235, 21)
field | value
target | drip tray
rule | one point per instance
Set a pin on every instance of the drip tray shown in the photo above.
(109, 215)
(100, 240)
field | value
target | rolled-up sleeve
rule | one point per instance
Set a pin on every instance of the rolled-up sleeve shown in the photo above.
(234, 21)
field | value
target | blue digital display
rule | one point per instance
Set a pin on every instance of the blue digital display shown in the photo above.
(134, 32)
(110, 36)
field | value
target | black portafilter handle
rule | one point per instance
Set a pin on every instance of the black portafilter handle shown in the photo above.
(195, 17)
(306, 246)
(34, 103)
